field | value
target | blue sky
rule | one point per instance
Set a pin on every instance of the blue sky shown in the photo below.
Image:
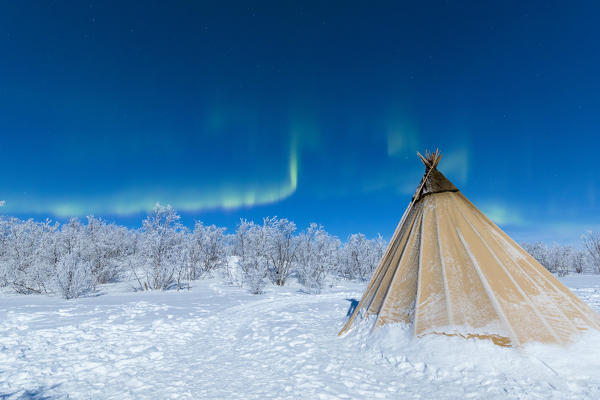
(309, 111)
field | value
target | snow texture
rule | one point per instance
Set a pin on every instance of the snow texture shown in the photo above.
(216, 341)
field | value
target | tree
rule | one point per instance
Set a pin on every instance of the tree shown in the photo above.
(162, 251)
(25, 269)
(579, 261)
(316, 257)
(591, 242)
(281, 248)
(360, 256)
(109, 246)
(5, 270)
(539, 251)
(250, 249)
(72, 275)
(560, 258)
(206, 250)
(72, 269)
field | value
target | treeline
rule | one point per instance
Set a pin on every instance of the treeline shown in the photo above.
(565, 259)
(73, 258)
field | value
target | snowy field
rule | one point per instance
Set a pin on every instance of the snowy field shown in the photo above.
(219, 342)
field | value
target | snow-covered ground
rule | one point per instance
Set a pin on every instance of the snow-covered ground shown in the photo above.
(219, 342)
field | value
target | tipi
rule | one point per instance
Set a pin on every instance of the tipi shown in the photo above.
(450, 270)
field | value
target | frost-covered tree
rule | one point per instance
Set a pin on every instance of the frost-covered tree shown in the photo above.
(250, 247)
(591, 242)
(25, 268)
(231, 270)
(281, 248)
(579, 260)
(73, 270)
(560, 259)
(539, 251)
(316, 257)
(5, 271)
(206, 250)
(109, 245)
(360, 256)
(73, 277)
(162, 249)
(133, 259)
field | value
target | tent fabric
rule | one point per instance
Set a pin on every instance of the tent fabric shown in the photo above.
(450, 270)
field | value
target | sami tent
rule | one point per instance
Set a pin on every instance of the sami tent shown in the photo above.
(450, 270)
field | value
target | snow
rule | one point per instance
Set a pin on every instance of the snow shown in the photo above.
(216, 341)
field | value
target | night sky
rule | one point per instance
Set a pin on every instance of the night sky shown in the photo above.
(309, 111)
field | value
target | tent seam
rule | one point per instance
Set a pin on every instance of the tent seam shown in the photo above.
(527, 299)
(445, 277)
(381, 274)
(528, 258)
(419, 271)
(387, 291)
(534, 283)
(488, 289)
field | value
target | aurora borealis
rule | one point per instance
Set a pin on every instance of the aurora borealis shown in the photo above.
(310, 111)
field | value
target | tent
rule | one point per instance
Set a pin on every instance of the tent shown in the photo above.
(450, 270)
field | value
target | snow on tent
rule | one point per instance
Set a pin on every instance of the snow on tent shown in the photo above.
(450, 270)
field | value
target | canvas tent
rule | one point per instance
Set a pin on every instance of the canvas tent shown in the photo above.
(450, 270)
